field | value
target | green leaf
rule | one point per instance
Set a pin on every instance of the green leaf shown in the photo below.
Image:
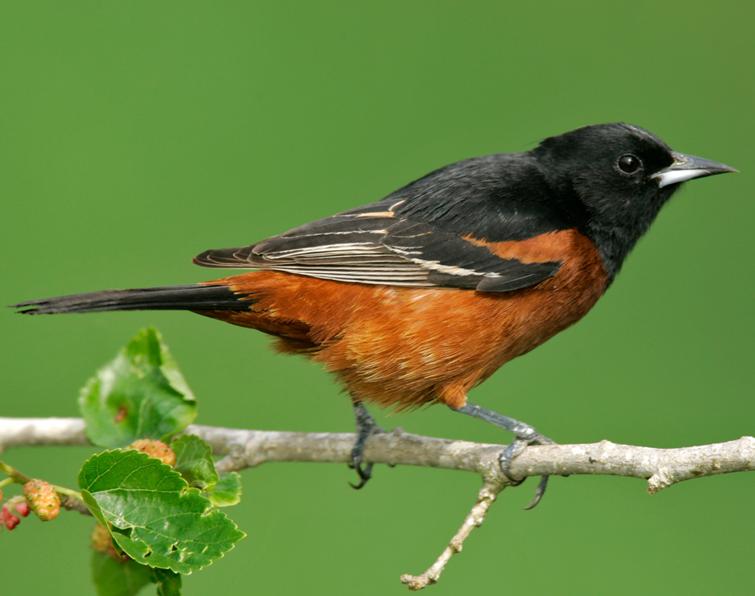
(153, 515)
(139, 394)
(227, 490)
(118, 578)
(194, 461)
(168, 583)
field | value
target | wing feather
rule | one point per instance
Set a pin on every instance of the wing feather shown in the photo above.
(377, 247)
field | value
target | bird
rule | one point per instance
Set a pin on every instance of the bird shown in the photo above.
(417, 298)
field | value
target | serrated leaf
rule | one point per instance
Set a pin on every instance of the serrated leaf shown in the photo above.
(139, 394)
(226, 491)
(194, 461)
(153, 515)
(118, 578)
(168, 583)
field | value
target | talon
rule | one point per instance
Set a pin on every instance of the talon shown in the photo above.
(513, 450)
(539, 492)
(525, 435)
(364, 473)
(507, 456)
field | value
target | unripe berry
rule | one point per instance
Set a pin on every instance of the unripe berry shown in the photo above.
(102, 542)
(42, 499)
(156, 449)
(100, 538)
(22, 507)
(9, 520)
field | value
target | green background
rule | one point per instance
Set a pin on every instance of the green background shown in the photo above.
(134, 135)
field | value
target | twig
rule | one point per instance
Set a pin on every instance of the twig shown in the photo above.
(69, 499)
(474, 519)
(249, 448)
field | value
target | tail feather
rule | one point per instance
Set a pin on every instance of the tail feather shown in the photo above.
(190, 297)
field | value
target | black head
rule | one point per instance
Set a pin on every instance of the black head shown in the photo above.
(621, 175)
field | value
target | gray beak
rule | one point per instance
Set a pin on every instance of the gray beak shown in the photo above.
(687, 167)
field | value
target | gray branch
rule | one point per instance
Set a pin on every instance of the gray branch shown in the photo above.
(249, 448)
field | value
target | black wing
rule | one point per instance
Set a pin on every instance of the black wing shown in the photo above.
(377, 248)
(416, 236)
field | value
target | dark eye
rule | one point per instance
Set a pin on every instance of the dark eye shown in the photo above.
(629, 164)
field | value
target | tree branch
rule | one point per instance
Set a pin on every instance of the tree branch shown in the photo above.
(249, 448)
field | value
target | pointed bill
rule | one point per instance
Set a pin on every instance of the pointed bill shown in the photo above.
(687, 167)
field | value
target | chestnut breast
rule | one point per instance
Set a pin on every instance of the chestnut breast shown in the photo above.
(408, 346)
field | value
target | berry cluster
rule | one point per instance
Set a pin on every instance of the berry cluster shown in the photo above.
(156, 449)
(8, 518)
(43, 499)
(8, 512)
(102, 542)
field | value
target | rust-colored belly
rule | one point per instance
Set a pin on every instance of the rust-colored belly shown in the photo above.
(407, 346)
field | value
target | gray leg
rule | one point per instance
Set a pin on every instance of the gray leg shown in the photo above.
(366, 426)
(525, 435)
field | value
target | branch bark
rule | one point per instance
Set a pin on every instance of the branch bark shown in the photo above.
(249, 448)
(243, 449)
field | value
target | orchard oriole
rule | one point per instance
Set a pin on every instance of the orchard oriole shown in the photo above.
(419, 297)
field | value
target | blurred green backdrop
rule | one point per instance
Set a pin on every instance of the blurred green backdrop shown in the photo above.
(133, 135)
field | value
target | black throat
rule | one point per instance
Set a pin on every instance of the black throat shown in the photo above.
(614, 221)
(614, 243)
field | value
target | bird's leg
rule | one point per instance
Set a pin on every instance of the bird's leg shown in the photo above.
(525, 435)
(366, 426)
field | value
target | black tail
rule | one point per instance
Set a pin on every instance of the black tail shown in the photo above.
(193, 297)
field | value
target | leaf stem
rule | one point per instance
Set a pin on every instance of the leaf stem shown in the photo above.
(13, 473)
(68, 492)
(18, 477)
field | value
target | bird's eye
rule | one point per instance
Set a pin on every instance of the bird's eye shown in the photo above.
(629, 164)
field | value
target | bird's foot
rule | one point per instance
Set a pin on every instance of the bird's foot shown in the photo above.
(525, 435)
(366, 427)
(524, 439)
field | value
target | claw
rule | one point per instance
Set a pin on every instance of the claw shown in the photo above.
(514, 449)
(539, 492)
(507, 456)
(364, 473)
(525, 435)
